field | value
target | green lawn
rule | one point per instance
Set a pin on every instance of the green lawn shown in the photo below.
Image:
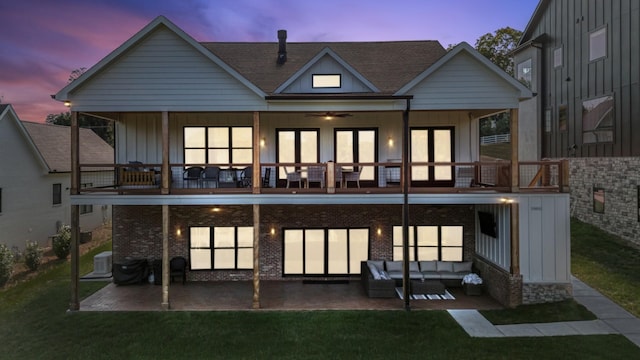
(34, 324)
(498, 151)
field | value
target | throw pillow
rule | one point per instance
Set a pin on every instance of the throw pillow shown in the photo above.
(374, 271)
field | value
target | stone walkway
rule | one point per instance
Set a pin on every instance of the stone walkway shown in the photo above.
(612, 319)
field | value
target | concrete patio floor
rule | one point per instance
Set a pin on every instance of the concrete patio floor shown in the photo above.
(274, 295)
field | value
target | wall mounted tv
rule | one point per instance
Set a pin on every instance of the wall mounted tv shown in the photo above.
(487, 223)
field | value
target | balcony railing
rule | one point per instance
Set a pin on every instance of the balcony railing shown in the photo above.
(322, 178)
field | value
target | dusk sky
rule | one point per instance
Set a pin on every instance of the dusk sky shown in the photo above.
(43, 41)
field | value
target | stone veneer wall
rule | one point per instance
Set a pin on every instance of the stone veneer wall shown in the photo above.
(620, 178)
(538, 293)
(137, 230)
(502, 286)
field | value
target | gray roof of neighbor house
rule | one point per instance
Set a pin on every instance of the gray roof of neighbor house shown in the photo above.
(54, 145)
(388, 65)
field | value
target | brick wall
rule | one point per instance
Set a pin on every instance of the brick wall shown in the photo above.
(501, 285)
(137, 230)
(620, 178)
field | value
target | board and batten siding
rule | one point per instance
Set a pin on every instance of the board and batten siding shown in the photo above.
(567, 25)
(544, 238)
(164, 73)
(463, 84)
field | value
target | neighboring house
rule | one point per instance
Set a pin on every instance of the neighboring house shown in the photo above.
(35, 164)
(582, 60)
(321, 155)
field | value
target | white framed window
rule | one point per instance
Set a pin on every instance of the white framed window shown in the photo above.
(221, 247)
(57, 194)
(598, 120)
(523, 72)
(443, 243)
(557, 57)
(326, 80)
(598, 44)
(548, 119)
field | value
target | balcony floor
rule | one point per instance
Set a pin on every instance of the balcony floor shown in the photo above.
(274, 295)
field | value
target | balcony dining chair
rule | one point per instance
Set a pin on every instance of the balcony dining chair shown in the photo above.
(193, 173)
(266, 179)
(464, 176)
(211, 174)
(353, 176)
(293, 177)
(338, 176)
(178, 268)
(246, 177)
(315, 174)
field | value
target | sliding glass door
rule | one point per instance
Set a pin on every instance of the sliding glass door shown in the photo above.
(296, 146)
(358, 146)
(429, 145)
(325, 252)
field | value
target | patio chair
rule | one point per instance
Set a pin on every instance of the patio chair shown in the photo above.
(211, 174)
(266, 179)
(246, 177)
(315, 174)
(193, 173)
(178, 268)
(353, 176)
(293, 177)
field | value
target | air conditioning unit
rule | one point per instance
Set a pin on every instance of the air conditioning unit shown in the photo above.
(102, 263)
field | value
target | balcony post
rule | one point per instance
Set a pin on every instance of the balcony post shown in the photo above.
(256, 170)
(405, 207)
(74, 304)
(331, 177)
(515, 166)
(166, 173)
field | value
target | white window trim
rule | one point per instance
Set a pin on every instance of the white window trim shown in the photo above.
(596, 35)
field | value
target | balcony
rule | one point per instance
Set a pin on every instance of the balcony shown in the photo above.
(324, 178)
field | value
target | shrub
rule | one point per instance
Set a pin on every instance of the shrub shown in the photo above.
(6, 264)
(62, 242)
(32, 255)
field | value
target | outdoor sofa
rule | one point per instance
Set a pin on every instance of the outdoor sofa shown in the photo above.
(380, 277)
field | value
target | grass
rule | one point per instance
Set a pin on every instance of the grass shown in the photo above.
(568, 310)
(34, 324)
(498, 151)
(607, 263)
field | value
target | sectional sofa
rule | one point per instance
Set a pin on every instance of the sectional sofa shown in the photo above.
(380, 277)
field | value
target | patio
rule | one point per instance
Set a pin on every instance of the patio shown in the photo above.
(274, 295)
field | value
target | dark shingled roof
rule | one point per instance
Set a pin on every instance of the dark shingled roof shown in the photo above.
(388, 65)
(54, 144)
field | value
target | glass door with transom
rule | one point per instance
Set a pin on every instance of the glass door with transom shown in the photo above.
(296, 146)
(358, 146)
(432, 145)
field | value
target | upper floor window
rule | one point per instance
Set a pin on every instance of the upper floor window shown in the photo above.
(562, 118)
(557, 57)
(548, 118)
(326, 81)
(57, 194)
(597, 120)
(598, 44)
(218, 145)
(523, 72)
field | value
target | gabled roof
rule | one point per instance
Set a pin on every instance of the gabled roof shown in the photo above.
(533, 22)
(160, 21)
(53, 143)
(464, 47)
(385, 65)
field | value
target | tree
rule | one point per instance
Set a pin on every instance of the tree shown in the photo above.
(498, 46)
(102, 128)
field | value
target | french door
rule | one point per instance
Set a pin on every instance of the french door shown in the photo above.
(358, 146)
(296, 146)
(324, 252)
(429, 145)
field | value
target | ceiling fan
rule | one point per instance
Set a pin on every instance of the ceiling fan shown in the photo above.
(329, 115)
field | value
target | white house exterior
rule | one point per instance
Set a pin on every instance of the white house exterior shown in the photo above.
(400, 116)
(35, 180)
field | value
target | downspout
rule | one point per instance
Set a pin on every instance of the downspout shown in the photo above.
(405, 206)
